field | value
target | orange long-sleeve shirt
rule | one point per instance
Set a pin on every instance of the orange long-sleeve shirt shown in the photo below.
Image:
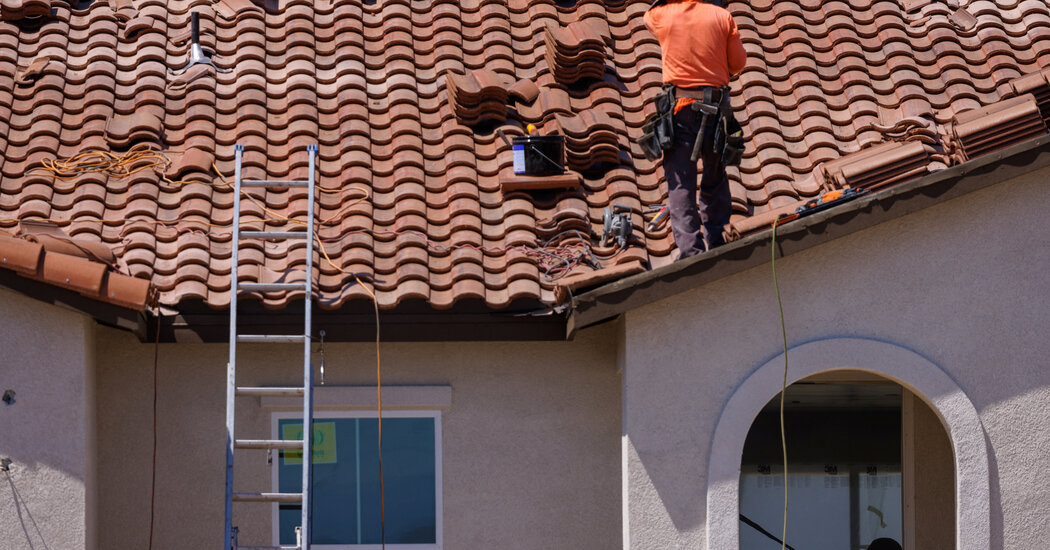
(700, 43)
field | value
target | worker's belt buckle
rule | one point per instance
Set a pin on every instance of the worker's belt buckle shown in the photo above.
(706, 94)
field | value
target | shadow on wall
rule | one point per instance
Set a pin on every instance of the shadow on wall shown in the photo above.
(997, 525)
(22, 510)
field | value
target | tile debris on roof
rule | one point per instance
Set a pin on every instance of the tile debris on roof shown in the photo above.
(403, 99)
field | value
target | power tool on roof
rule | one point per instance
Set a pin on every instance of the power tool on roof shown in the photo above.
(823, 202)
(616, 223)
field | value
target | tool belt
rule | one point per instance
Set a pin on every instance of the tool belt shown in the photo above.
(707, 94)
(728, 135)
(658, 130)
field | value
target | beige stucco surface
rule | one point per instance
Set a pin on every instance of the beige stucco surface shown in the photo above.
(961, 284)
(582, 444)
(530, 440)
(46, 358)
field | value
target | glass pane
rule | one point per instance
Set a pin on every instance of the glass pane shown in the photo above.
(408, 478)
(880, 507)
(346, 505)
(335, 481)
(818, 516)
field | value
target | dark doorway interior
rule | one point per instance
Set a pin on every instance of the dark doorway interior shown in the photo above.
(844, 466)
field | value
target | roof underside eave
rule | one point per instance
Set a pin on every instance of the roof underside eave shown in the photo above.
(358, 324)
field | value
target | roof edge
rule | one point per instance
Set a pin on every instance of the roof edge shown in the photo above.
(615, 298)
(105, 313)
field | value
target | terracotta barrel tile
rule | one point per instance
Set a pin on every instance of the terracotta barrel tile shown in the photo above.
(829, 70)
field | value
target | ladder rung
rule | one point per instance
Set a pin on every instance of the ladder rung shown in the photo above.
(274, 183)
(273, 234)
(270, 287)
(268, 444)
(270, 338)
(268, 497)
(271, 392)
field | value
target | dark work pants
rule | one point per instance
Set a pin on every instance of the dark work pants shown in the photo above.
(715, 202)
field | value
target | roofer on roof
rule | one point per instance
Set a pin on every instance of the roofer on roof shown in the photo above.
(701, 50)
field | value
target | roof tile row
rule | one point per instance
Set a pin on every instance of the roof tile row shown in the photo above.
(397, 95)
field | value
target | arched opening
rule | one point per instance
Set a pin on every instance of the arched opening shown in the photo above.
(855, 442)
(923, 383)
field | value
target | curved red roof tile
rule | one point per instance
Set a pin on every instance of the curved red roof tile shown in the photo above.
(403, 101)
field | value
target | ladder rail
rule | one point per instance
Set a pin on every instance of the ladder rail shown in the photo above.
(231, 365)
(308, 370)
(306, 391)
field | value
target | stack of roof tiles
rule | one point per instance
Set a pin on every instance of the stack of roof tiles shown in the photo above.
(1037, 84)
(478, 95)
(414, 204)
(591, 137)
(997, 126)
(578, 50)
(878, 166)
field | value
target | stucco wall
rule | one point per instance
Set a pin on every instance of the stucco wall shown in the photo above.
(45, 357)
(962, 284)
(530, 441)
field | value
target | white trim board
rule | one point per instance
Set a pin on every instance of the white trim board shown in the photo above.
(335, 398)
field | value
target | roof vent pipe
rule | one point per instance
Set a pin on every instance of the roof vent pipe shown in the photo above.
(197, 54)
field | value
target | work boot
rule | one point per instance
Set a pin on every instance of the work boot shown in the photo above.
(714, 240)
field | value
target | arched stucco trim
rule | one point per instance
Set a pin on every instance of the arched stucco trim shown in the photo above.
(919, 375)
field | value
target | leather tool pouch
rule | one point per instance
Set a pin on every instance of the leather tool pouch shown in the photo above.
(658, 130)
(729, 135)
(648, 141)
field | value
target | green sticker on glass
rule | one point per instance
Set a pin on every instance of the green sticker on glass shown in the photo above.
(323, 444)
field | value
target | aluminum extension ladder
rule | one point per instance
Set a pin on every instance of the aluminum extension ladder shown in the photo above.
(306, 391)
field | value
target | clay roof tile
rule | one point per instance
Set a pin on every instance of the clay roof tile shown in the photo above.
(404, 101)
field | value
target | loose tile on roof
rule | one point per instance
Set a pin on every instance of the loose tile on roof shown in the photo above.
(46, 254)
(404, 100)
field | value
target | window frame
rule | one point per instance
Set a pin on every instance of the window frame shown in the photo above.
(321, 415)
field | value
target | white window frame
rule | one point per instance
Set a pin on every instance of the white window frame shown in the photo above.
(321, 415)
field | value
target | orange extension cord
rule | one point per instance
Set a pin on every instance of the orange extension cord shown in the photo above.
(145, 157)
(554, 261)
(140, 158)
